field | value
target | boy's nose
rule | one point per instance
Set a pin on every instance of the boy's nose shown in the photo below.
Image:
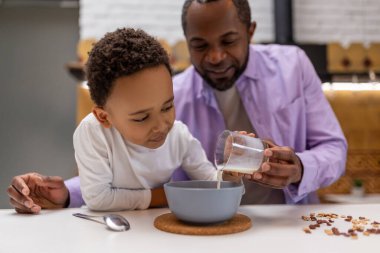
(160, 125)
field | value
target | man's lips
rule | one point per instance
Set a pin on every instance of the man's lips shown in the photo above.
(220, 73)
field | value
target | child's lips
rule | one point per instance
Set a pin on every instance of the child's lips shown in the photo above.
(158, 138)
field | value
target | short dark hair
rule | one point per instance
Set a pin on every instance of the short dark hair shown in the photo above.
(242, 8)
(121, 53)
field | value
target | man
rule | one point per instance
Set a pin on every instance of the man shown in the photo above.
(272, 91)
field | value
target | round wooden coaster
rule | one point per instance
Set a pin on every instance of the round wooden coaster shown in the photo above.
(169, 223)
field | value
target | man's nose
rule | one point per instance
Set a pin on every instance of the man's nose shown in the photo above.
(215, 55)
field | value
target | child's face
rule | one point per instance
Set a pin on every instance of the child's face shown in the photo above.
(141, 107)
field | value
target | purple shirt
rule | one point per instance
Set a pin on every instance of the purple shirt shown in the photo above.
(282, 95)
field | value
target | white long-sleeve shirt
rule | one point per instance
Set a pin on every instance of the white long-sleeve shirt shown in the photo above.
(118, 175)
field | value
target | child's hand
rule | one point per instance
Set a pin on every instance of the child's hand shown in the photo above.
(158, 198)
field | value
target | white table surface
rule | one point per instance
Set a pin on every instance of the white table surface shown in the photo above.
(276, 228)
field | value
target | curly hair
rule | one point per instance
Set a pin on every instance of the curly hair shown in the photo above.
(121, 53)
(242, 7)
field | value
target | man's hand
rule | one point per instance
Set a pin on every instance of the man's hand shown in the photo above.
(31, 192)
(232, 176)
(282, 168)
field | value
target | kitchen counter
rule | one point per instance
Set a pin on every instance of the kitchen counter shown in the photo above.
(275, 228)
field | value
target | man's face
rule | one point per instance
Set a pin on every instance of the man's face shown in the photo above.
(218, 42)
(141, 107)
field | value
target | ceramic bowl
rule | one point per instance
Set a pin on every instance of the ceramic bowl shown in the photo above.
(201, 202)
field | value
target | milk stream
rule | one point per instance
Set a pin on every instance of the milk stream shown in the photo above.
(219, 178)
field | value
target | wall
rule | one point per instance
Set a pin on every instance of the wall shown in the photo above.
(344, 21)
(161, 18)
(314, 21)
(37, 98)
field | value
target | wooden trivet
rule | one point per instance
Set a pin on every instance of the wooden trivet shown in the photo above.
(169, 223)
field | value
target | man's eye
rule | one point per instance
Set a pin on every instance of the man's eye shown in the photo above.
(228, 42)
(141, 120)
(167, 108)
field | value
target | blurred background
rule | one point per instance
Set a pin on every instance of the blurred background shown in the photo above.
(44, 45)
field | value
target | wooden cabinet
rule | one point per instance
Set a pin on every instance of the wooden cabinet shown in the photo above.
(359, 115)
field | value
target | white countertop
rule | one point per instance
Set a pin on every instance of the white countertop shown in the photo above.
(275, 228)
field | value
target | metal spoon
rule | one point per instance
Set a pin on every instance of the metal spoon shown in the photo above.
(114, 222)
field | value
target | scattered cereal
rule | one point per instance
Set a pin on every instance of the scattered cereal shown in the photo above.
(359, 225)
(329, 232)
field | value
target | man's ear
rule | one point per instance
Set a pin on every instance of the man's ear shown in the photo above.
(102, 116)
(251, 30)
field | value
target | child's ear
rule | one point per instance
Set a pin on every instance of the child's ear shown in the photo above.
(102, 116)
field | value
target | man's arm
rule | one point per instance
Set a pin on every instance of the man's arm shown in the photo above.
(323, 160)
(325, 156)
(75, 195)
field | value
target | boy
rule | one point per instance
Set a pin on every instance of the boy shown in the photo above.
(131, 144)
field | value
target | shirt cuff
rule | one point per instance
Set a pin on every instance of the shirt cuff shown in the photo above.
(75, 194)
(147, 198)
(295, 193)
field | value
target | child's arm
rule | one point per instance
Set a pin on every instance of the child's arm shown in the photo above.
(195, 162)
(158, 198)
(92, 152)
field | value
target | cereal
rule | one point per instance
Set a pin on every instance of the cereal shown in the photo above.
(359, 225)
(329, 232)
(335, 231)
(307, 230)
(312, 226)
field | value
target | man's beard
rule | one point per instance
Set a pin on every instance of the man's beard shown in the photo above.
(225, 84)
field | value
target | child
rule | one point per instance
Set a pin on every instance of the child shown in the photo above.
(131, 144)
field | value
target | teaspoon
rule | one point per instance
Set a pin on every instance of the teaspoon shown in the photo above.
(114, 222)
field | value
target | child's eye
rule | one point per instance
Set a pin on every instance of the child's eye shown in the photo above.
(168, 108)
(141, 120)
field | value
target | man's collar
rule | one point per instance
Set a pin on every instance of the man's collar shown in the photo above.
(256, 66)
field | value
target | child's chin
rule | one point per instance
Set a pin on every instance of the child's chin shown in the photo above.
(155, 145)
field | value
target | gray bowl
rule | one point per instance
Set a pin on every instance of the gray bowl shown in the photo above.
(201, 202)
